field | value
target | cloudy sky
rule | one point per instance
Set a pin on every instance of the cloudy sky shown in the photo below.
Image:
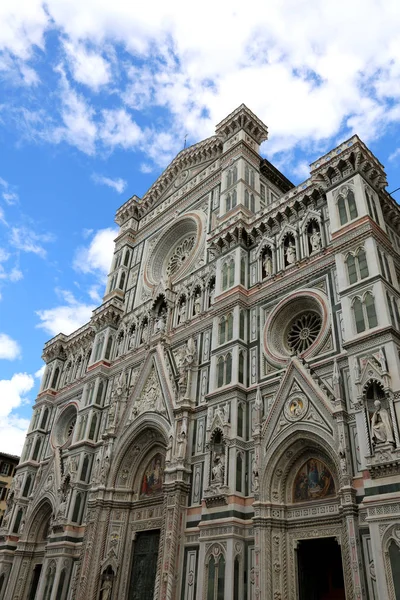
(97, 96)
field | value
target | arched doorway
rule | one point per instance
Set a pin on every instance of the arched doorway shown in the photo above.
(130, 555)
(301, 522)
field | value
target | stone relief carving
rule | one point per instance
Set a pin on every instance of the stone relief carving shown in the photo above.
(151, 398)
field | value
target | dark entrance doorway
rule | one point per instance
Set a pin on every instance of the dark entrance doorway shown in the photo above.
(144, 565)
(320, 571)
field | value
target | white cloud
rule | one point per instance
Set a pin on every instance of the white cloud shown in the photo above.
(118, 129)
(96, 257)
(88, 67)
(394, 157)
(65, 318)
(13, 393)
(310, 71)
(27, 240)
(40, 372)
(9, 194)
(118, 184)
(9, 348)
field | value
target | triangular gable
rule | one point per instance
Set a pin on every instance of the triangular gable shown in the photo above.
(315, 406)
(151, 392)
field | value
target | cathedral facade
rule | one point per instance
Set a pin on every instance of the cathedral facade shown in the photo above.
(226, 426)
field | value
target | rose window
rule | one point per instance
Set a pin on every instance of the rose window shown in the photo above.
(70, 427)
(180, 255)
(304, 331)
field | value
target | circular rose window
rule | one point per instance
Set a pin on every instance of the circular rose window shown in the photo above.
(178, 249)
(303, 331)
(64, 426)
(299, 324)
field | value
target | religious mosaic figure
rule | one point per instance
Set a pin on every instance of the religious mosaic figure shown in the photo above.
(314, 481)
(381, 427)
(153, 477)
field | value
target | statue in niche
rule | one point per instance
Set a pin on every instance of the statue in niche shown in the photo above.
(212, 294)
(267, 264)
(161, 322)
(168, 454)
(254, 475)
(291, 253)
(315, 240)
(218, 470)
(106, 589)
(145, 333)
(197, 304)
(382, 360)
(226, 413)
(181, 312)
(381, 427)
(105, 467)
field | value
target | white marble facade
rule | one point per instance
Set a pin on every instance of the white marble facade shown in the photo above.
(232, 409)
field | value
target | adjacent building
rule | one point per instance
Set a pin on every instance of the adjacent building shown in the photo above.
(8, 462)
(226, 426)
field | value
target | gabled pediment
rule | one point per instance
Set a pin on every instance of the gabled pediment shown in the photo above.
(152, 391)
(298, 399)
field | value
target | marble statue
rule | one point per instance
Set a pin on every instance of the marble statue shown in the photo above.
(381, 428)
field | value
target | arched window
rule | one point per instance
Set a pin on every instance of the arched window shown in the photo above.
(18, 520)
(61, 583)
(252, 179)
(2, 578)
(76, 516)
(225, 269)
(247, 174)
(36, 449)
(35, 420)
(243, 271)
(231, 273)
(109, 348)
(228, 203)
(99, 348)
(347, 207)
(27, 486)
(228, 376)
(229, 326)
(55, 378)
(229, 178)
(85, 468)
(241, 367)
(234, 174)
(127, 257)
(44, 418)
(234, 198)
(50, 576)
(359, 315)
(246, 198)
(357, 266)
(220, 371)
(216, 578)
(239, 472)
(236, 579)
(387, 269)
(222, 330)
(242, 323)
(240, 420)
(252, 203)
(93, 427)
(365, 313)
(122, 281)
(371, 311)
(99, 395)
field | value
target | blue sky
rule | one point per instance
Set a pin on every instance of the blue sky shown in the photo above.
(96, 98)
